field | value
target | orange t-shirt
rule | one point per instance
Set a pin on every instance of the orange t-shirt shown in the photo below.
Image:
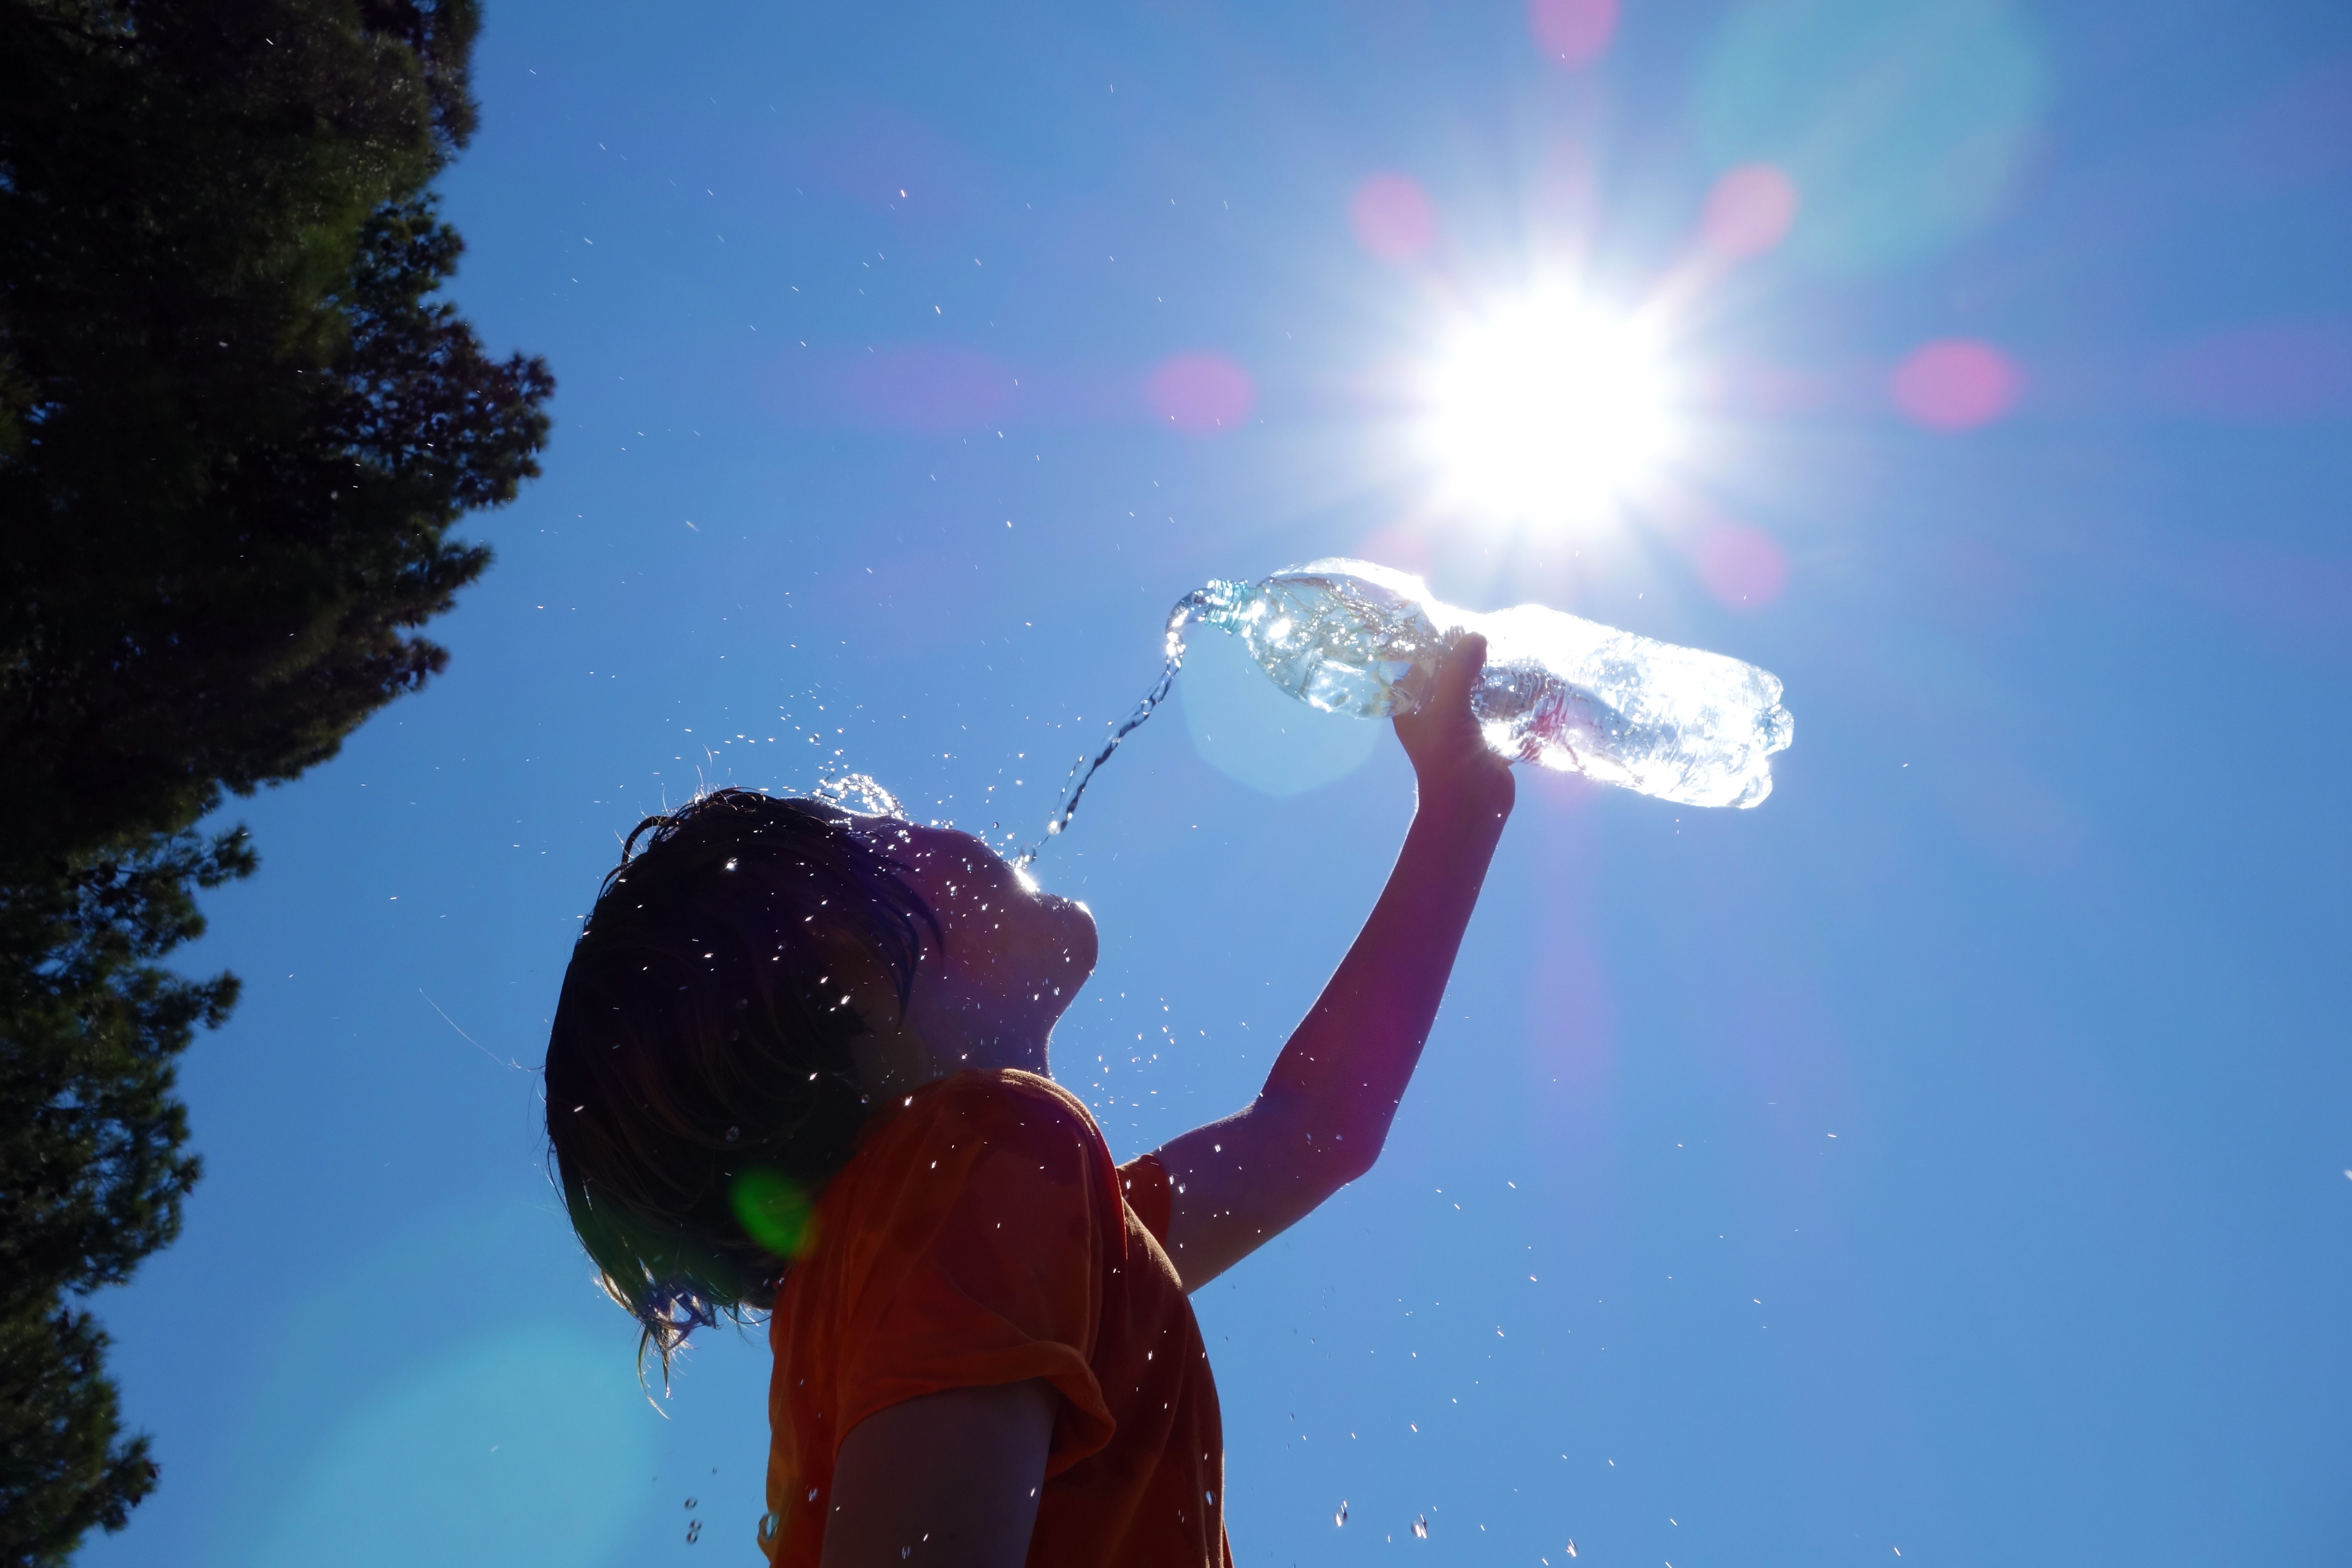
(979, 1236)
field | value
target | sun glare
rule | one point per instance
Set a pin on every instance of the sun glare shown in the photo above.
(1547, 410)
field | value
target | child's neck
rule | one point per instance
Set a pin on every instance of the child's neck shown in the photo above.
(901, 1061)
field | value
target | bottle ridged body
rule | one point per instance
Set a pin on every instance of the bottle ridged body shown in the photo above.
(1349, 636)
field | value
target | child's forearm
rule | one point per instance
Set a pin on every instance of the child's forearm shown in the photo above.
(1319, 1121)
(1345, 1068)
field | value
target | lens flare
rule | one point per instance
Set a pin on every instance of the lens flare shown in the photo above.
(774, 1211)
(1392, 217)
(1955, 383)
(1201, 394)
(1548, 410)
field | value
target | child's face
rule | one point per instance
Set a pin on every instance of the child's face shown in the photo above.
(1014, 957)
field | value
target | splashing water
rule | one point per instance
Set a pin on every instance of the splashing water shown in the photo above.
(1566, 693)
(859, 792)
(1192, 608)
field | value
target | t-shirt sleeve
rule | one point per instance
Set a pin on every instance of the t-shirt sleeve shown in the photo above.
(1144, 1181)
(983, 1266)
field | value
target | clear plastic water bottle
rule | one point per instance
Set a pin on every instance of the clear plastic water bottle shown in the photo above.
(1349, 637)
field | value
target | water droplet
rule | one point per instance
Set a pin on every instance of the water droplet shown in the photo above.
(1572, 1548)
(690, 1502)
(1421, 1527)
(1340, 1518)
(732, 1134)
(693, 1531)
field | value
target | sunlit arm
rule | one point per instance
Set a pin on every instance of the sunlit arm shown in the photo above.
(1319, 1121)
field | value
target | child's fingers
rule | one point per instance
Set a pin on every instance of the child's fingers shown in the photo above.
(1463, 664)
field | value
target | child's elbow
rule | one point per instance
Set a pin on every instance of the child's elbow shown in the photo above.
(1351, 1155)
(1338, 1147)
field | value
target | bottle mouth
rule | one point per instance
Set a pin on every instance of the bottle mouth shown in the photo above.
(1215, 601)
(1218, 603)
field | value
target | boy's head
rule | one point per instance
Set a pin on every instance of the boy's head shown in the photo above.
(700, 1080)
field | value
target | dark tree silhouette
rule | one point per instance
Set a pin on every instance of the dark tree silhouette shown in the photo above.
(236, 429)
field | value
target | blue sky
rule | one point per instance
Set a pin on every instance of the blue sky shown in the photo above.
(1949, 1156)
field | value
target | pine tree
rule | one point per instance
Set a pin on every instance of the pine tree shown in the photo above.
(236, 426)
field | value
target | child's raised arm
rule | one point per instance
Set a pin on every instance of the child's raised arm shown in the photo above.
(1320, 1119)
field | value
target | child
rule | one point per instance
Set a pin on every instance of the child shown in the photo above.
(801, 1061)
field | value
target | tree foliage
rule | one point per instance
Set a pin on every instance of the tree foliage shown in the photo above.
(236, 427)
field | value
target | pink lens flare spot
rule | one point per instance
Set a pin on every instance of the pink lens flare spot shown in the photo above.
(1200, 393)
(1750, 210)
(1399, 545)
(1957, 383)
(1573, 32)
(1393, 218)
(1742, 566)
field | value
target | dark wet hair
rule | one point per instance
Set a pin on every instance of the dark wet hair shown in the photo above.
(701, 1089)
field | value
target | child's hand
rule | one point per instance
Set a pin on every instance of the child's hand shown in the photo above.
(1458, 771)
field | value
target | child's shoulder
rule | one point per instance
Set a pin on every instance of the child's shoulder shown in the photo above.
(995, 1139)
(998, 1092)
(998, 1105)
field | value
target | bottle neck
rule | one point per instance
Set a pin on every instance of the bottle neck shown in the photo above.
(1219, 604)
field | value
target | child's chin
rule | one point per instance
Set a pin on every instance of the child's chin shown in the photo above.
(1067, 910)
(1079, 939)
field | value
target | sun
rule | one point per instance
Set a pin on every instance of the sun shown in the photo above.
(1546, 410)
